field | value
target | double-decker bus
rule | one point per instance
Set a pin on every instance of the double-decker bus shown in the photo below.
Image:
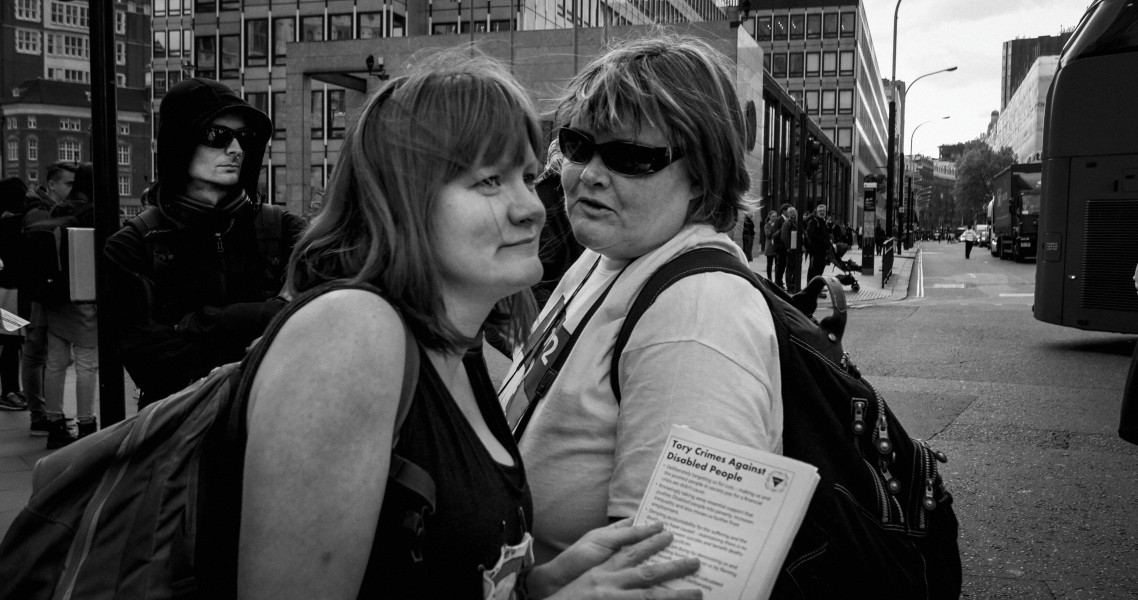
(1088, 224)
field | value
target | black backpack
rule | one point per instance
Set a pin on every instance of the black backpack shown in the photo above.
(881, 523)
(149, 508)
(44, 257)
(11, 228)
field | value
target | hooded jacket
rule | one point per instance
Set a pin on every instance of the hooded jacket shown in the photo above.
(196, 286)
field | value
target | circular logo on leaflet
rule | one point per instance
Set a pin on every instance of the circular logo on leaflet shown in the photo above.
(777, 481)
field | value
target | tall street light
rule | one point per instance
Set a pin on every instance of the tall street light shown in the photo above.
(909, 212)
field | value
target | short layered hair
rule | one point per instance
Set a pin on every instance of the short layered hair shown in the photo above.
(685, 88)
(454, 111)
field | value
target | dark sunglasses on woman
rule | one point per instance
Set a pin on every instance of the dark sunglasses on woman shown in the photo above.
(624, 158)
(220, 136)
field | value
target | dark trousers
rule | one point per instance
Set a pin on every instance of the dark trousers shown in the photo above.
(968, 248)
(771, 260)
(780, 268)
(10, 363)
(749, 246)
(817, 266)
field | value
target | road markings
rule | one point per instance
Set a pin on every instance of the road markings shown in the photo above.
(955, 286)
(1017, 295)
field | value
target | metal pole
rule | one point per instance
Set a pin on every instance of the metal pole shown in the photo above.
(104, 150)
(892, 143)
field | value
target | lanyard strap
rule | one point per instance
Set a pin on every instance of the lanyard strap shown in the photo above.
(520, 407)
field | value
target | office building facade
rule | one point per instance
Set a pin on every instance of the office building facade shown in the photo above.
(1020, 125)
(1019, 57)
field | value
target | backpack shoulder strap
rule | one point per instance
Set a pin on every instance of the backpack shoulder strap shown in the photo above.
(269, 225)
(146, 221)
(708, 260)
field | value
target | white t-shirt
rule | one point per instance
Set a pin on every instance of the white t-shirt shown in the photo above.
(704, 355)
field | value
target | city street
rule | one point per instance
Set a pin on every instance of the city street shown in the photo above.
(1027, 413)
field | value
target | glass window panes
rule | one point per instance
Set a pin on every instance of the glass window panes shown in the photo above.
(846, 62)
(797, 26)
(174, 45)
(280, 185)
(230, 56)
(398, 26)
(848, 26)
(813, 26)
(337, 114)
(830, 25)
(284, 31)
(845, 102)
(340, 27)
(370, 25)
(33, 149)
(159, 44)
(813, 64)
(205, 60)
(763, 29)
(124, 155)
(812, 101)
(795, 64)
(828, 100)
(124, 185)
(31, 121)
(845, 138)
(258, 100)
(778, 66)
(781, 28)
(312, 28)
(280, 105)
(829, 63)
(69, 150)
(316, 113)
(13, 150)
(257, 42)
(159, 83)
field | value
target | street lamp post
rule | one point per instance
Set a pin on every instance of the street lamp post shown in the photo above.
(909, 212)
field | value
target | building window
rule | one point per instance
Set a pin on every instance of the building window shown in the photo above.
(124, 128)
(398, 25)
(160, 83)
(124, 185)
(370, 25)
(812, 101)
(257, 42)
(159, 44)
(444, 28)
(159, 8)
(68, 14)
(830, 25)
(33, 177)
(829, 133)
(28, 10)
(795, 64)
(845, 102)
(176, 6)
(828, 97)
(846, 62)
(120, 79)
(778, 66)
(120, 53)
(12, 123)
(780, 27)
(763, 29)
(230, 56)
(124, 155)
(31, 121)
(67, 45)
(797, 26)
(316, 114)
(337, 113)
(205, 61)
(280, 105)
(188, 42)
(120, 22)
(813, 26)
(849, 24)
(174, 44)
(813, 62)
(340, 27)
(205, 6)
(13, 150)
(312, 28)
(27, 41)
(829, 63)
(279, 192)
(258, 100)
(69, 151)
(69, 124)
(284, 31)
(33, 145)
(845, 139)
(767, 61)
(230, 4)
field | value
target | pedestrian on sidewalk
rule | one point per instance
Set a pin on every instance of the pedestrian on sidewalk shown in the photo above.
(12, 192)
(818, 241)
(198, 275)
(772, 240)
(878, 238)
(749, 238)
(432, 215)
(969, 237)
(787, 236)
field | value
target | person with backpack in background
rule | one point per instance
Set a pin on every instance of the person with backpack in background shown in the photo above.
(818, 241)
(749, 238)
(198, 274)
(33, 362)
(72, 331)
(772, 244)
(12, 192)
(645, 180)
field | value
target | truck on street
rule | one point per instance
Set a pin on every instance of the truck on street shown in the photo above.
(1015, 211)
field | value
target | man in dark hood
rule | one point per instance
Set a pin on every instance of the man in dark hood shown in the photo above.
(198, 273)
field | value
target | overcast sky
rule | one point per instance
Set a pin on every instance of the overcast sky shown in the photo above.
(937, 34)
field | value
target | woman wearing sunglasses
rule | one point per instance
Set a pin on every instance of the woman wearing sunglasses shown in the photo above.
(653, 139)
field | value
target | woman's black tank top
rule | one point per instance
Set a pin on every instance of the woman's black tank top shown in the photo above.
(481, 504)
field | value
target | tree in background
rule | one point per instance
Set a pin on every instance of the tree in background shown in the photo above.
(974, 172)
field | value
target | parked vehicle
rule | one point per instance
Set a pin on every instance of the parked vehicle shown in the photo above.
(1015, 211)
(983, 234)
